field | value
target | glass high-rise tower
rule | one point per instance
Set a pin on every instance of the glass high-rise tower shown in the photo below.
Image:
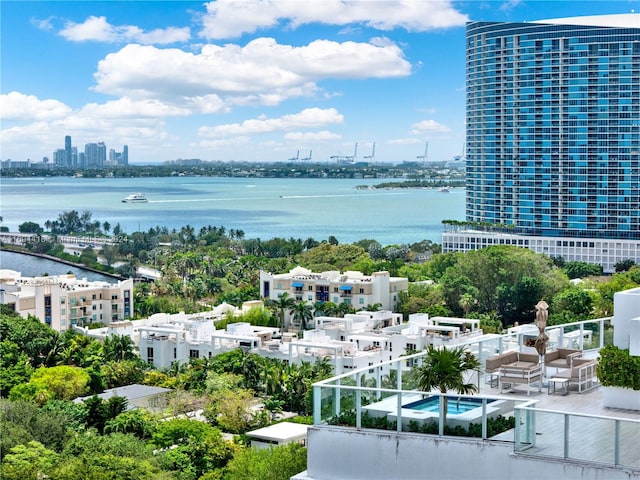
(553, 127)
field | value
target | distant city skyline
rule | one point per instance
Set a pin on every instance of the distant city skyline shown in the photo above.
(95, 155)
(248, 80)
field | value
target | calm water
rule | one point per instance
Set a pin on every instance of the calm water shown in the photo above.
(262, 208)
(35, 266)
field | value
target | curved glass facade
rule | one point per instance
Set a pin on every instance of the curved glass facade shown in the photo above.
(553, 128)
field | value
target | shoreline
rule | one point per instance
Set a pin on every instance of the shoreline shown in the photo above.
(80, 266)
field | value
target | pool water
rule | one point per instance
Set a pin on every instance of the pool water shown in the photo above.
(431, 404)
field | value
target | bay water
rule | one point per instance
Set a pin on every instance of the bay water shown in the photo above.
(261, 207)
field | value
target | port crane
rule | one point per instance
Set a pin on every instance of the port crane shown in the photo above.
(296, 158)
(346, 158)
(306, 159)
(424, 157)
(371, 157)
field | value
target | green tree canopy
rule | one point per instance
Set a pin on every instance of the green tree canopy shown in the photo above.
(267, 464)
(48, 383)
(444, 368)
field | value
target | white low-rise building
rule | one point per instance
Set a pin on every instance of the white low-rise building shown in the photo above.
(359, 340)
(62, 301)
(599, 251)
(350, 287)
(278, 434)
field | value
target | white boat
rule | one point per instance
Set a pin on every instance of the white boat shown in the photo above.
(444, 190)
(135, 198)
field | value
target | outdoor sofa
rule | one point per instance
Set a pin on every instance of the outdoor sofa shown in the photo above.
(509, 368)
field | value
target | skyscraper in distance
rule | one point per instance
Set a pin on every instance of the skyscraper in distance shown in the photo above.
(67, 151)
(553, 137)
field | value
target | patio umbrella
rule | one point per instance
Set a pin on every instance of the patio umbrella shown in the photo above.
(541, 322)
(541, 340)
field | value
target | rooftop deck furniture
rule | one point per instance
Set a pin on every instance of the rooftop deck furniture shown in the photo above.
(494, 363)
(513, 367)
(520, 373)
(561, 358)
(581, 374)
(553, 384)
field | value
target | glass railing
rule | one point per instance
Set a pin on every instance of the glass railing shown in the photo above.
(374, 401)
(386, 397)
(575, 436)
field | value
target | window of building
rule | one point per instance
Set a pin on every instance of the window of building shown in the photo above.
(194, 353)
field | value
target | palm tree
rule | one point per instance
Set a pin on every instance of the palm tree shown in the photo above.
(302, 313)
(330, 309)
(281, 305)
(274, 407)
(344, 308)
(116, 348)
(467, 302)
(444, 370)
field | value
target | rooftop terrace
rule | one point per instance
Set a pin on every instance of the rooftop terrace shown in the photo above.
(574, 427)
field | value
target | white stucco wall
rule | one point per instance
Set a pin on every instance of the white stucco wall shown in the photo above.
(347, 454)
(626, 312)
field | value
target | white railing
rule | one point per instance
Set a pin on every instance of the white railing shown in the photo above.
(378, 397)
(576, 436)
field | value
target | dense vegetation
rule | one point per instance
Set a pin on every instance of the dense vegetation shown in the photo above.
(500, 284)
(412, 170)
(44, 434)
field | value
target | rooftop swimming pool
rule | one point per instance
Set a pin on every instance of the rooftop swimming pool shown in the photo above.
(431, 404)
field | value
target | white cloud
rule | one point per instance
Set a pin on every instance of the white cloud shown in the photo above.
(404, 141)
(430, 126)
(312, 136)
(262, 72)
(99, 30)
(46, 122)
(232, 18)
(128, 108)
(510, 5)
(225, 142)
(307, 118)
(18, 106)
(45, 24)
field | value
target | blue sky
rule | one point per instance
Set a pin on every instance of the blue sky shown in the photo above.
(249, 80)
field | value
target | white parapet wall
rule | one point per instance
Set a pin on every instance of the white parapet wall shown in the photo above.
(349, 454)
(626, 320)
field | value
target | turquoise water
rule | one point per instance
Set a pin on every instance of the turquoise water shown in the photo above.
(431, 404)
(262, 207)
(30, 266)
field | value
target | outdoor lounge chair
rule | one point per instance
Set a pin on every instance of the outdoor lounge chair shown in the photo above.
(582, 374)
(561, 358)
